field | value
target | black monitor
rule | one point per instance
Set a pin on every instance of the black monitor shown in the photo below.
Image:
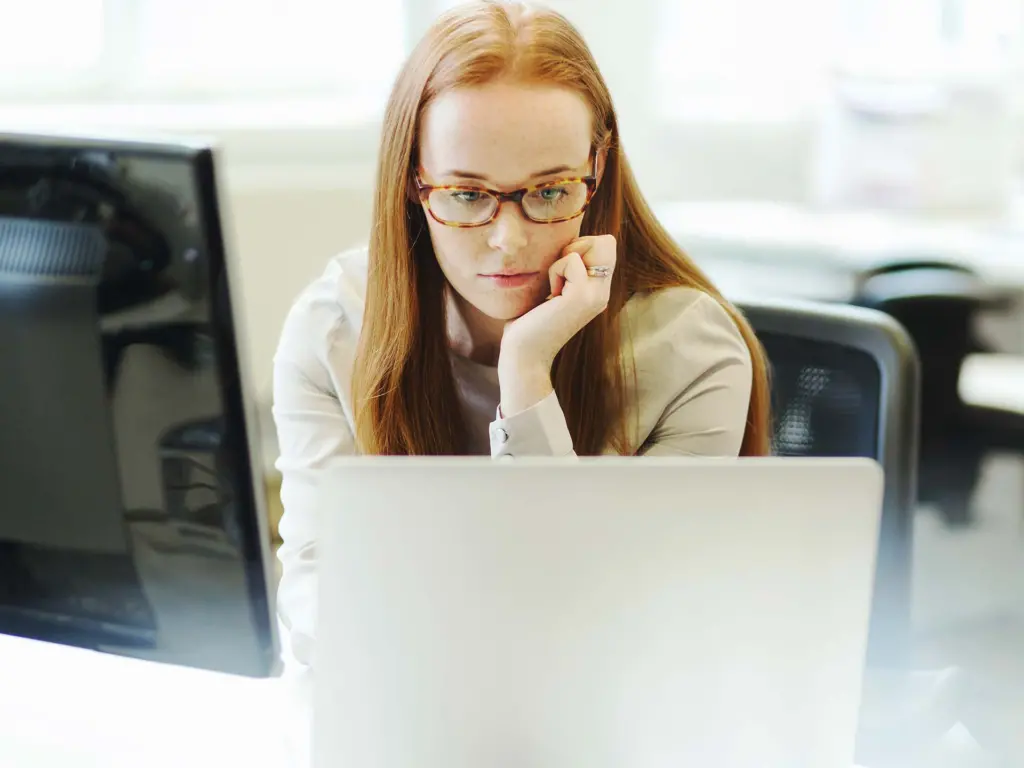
(130, 520)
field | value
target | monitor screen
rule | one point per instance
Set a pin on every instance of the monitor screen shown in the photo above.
(130, 520)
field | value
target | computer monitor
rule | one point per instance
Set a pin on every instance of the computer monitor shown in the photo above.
(130, 520)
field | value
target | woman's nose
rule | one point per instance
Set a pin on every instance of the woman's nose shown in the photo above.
(508, 230)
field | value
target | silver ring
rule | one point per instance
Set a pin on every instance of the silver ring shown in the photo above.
(599, 271)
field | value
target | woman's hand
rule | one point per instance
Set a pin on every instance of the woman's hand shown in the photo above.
(531, 342)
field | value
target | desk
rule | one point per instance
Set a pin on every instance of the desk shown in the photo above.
(64, 707)
(788, 250)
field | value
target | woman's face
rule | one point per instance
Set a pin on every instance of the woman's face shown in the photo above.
(503, 137)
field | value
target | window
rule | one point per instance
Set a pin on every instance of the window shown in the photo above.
(731, 59)
(748, 59)
(286, 47)
(198, 50)
(742, 58)
(38, 54)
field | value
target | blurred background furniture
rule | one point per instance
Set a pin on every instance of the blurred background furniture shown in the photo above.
(956, 286)
(845, 382)
(939, 304)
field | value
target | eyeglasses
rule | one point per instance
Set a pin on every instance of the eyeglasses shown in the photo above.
(456, 205)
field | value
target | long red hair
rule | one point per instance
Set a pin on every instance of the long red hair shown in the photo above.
(403, 387)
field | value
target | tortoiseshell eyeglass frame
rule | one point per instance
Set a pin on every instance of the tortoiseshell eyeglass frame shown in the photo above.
(516, 196)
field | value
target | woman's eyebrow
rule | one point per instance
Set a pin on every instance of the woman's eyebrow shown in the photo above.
(481, 177)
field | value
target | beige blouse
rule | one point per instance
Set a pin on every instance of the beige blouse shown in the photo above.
(693, 378)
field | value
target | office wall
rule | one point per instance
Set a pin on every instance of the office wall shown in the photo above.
(283, 239)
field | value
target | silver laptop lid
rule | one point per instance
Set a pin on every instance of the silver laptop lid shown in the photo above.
(604, 612)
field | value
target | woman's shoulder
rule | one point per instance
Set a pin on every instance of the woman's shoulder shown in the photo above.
(684, 329)
(327, 313)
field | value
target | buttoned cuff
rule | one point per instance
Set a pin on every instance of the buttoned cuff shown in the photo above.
(538, 431)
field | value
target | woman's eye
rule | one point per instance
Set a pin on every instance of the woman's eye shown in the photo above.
(467, 196)
(551, 194)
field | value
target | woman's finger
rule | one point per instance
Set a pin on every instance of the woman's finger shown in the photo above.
(575, 270)
(595, 250)
(556, 276)
(569, 268)
(581, 245)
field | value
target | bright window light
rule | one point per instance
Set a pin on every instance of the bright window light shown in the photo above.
(44, 40)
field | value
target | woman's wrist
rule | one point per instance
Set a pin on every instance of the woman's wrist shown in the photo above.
(522, 385)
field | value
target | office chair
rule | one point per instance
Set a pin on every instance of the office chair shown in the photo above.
(845, 382)
(939, 304)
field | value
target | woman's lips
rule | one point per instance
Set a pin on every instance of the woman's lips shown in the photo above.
(512, 280)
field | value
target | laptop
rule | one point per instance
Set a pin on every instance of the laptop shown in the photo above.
(605, 612)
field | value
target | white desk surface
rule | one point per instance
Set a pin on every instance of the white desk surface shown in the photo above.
(69, 707)
(833, 243)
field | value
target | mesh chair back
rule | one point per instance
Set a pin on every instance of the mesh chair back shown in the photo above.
(845, 382)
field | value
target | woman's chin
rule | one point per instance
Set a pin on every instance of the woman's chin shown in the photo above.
(507, 311)
(524, 309)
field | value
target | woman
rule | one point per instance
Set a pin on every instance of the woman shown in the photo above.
(517, 298)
